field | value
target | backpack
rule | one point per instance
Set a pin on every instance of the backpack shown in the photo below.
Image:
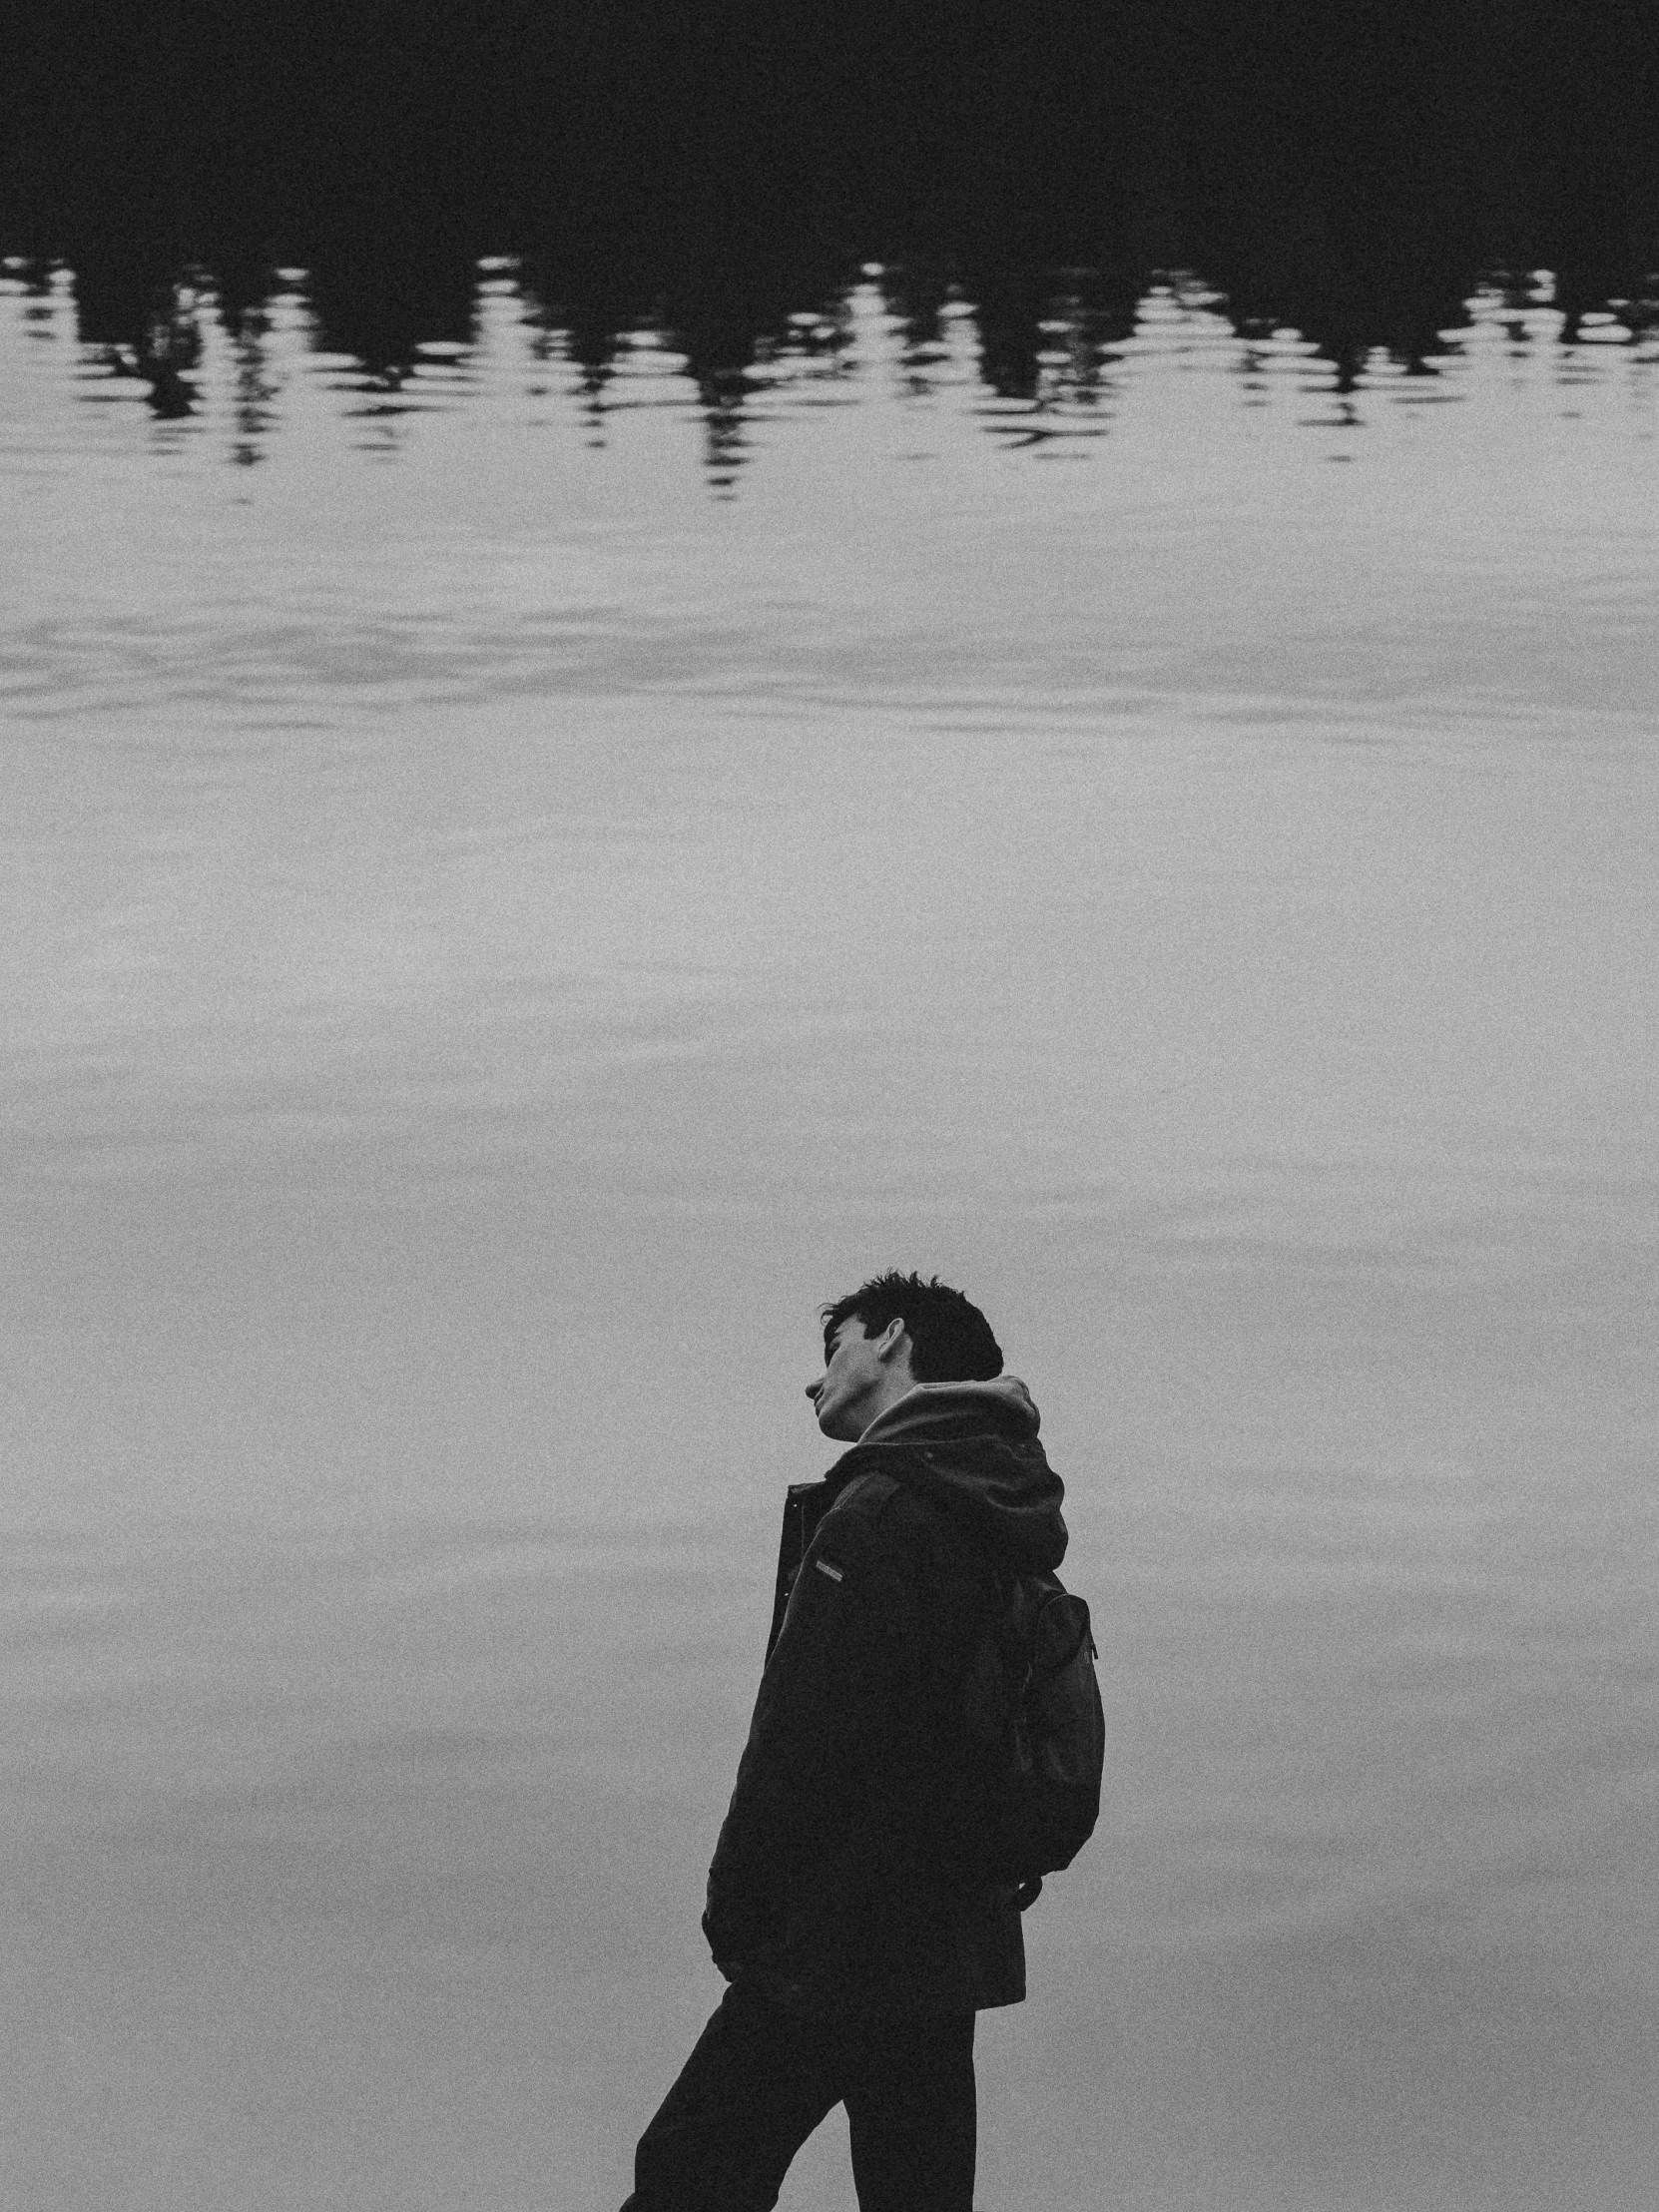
(1026, 1706)
(1030, 1708)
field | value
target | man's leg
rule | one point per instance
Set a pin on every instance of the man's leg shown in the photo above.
(913, 2113)
(752, 2091)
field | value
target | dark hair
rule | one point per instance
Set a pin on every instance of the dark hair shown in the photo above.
(950, 1339)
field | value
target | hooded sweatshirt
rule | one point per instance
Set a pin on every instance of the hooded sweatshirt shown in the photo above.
(844, 1874)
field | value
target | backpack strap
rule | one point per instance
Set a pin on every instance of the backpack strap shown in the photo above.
(868, 1492)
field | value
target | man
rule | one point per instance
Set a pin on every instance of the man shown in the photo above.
(845, 1907)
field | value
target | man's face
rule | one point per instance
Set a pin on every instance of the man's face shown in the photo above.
(844, 1395)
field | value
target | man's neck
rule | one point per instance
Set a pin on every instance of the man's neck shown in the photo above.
(895, 1388)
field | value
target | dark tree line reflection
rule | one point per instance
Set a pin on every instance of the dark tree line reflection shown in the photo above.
(719, 171)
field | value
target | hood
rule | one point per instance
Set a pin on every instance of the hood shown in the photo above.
(971, 1449)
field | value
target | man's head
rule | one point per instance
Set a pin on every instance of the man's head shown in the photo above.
(894, 1331)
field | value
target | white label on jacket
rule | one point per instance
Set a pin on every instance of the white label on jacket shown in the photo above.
(823, 1568)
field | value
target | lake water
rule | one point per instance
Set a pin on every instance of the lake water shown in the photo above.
(518, 885)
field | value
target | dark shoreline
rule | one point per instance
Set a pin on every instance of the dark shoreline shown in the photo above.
(1346, 171)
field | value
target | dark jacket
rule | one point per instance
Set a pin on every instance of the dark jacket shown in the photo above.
(844, 1874)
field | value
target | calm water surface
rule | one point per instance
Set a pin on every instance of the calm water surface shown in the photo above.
(516, 889)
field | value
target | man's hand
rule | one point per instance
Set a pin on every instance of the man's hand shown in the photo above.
(725, 1947)
(743, 1954)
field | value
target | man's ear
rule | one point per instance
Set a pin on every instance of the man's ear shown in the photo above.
(893, 1338)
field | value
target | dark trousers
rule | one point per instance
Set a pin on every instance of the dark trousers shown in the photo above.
(761, 2080)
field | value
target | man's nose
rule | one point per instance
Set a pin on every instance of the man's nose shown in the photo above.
(814, 1387)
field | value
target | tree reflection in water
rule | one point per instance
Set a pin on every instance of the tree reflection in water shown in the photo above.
(720, 175)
